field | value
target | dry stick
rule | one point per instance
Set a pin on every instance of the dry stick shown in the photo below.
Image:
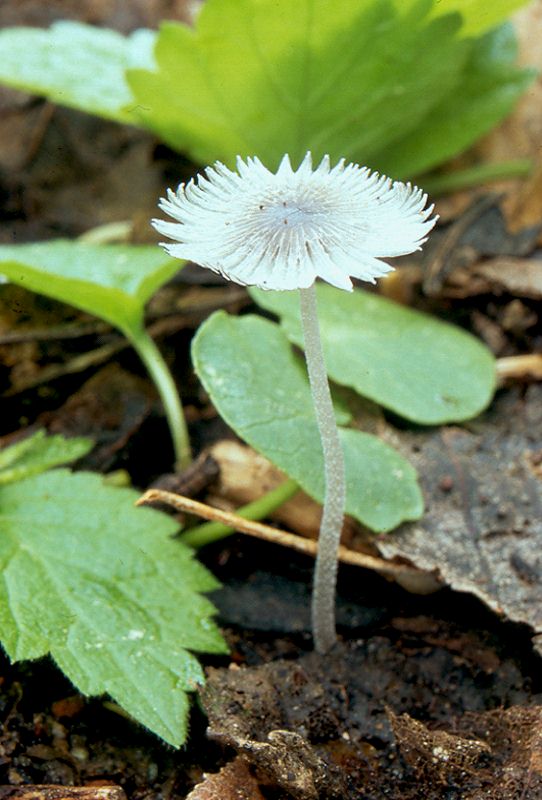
(520, 367)
(69, 330)
(80, 363)
(265, 532)
(325, 571)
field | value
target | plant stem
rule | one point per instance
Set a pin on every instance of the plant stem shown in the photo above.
(325, 572)
(110, 233)
(476, 176)
(163, 380)
(258, 509)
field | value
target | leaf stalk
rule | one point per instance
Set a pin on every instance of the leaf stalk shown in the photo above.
(169, 394)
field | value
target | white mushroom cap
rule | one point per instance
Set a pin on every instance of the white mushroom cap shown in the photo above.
(283, 230)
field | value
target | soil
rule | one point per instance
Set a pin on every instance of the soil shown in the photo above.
(423, 697)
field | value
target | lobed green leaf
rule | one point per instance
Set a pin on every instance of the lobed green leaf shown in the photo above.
(354, 79)
(401, 86)
(490, 85)
(101, 586)
(261, 390)
(478, 16)
(265, 78)
(39, 452)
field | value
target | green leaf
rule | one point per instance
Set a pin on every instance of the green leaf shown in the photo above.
(76, 65)
(101, 587)
(261, 390)
(352, 79)
(267, 77)
(478, 16)
(489, 88)
(419, 367)
(37, 453)
(110, 281)
(113, 282)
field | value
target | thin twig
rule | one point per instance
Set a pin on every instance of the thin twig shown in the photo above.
(520, 367)
(80, 363)
(69, 330)
(269, 534)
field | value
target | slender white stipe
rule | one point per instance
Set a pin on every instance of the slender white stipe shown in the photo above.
(325, 573)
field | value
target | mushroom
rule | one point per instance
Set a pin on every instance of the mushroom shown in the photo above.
(282, 231)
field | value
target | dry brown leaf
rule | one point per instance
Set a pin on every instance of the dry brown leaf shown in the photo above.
(480, 232)
(118, 14)
(482, 530)
(443, 757)
(272, 715)
(521, 277)
(54, 792)
(494, 755)
(317, 727)
(233, 782)
(110, 408)
(22, 128)
(514, 735)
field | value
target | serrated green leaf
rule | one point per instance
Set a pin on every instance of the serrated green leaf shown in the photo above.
(266, 77)
(100, 586)
(352, 79)
(261, 390)
(76, 65)
(37, 453)
(489, 87)
(111, 281)
(423, 369)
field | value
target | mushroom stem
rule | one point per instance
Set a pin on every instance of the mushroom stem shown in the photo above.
(325, 573)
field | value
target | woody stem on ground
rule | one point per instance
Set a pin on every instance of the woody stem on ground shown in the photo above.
(325, 573)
